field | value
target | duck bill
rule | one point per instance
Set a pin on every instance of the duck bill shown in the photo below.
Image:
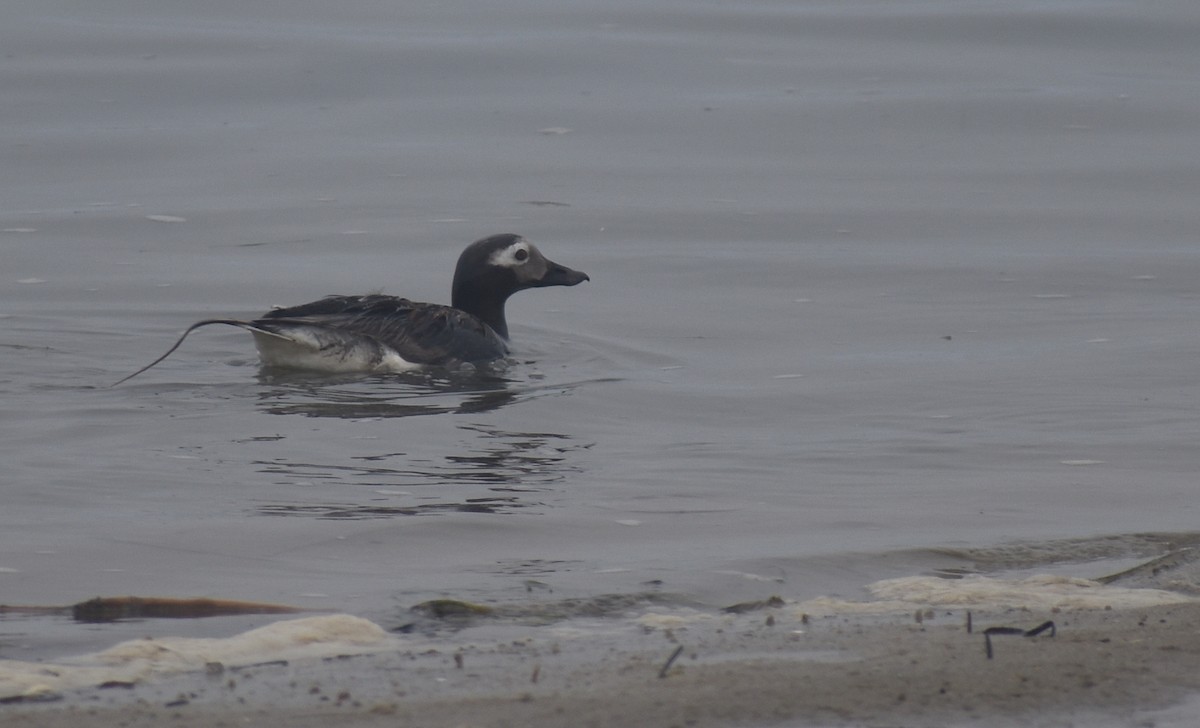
(560, 275)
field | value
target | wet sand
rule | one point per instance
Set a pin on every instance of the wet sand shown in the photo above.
(767, 667)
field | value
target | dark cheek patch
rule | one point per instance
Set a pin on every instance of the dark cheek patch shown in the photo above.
(537, 269)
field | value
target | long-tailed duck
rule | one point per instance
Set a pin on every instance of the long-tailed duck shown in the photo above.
(377, 333)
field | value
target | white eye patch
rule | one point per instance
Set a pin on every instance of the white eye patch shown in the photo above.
(513, 256)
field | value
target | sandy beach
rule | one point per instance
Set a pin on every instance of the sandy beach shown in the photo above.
(764, 667)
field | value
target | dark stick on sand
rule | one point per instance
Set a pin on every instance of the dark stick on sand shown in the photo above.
(987, 634)
(670, 661)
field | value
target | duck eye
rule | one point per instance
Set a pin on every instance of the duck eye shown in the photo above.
(521, 254)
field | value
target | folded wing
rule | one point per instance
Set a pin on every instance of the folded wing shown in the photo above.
(420, 333)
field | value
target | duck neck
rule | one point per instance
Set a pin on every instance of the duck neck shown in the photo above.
(489, 310)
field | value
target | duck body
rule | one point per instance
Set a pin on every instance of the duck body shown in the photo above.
(373, 333)
(379, 333)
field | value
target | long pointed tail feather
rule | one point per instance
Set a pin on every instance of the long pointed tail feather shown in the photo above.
(230, 322)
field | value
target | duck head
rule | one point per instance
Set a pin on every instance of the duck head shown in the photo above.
(492, 269)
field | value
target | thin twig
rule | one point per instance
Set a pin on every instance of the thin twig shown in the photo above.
(987, 633)
(670, 661)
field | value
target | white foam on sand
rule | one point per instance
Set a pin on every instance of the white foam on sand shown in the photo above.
(663, 619)
(140, 660)
(981, 592)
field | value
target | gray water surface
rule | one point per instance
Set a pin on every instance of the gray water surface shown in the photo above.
(873, 284)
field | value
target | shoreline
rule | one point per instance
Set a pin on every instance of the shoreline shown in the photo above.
(774, 666)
